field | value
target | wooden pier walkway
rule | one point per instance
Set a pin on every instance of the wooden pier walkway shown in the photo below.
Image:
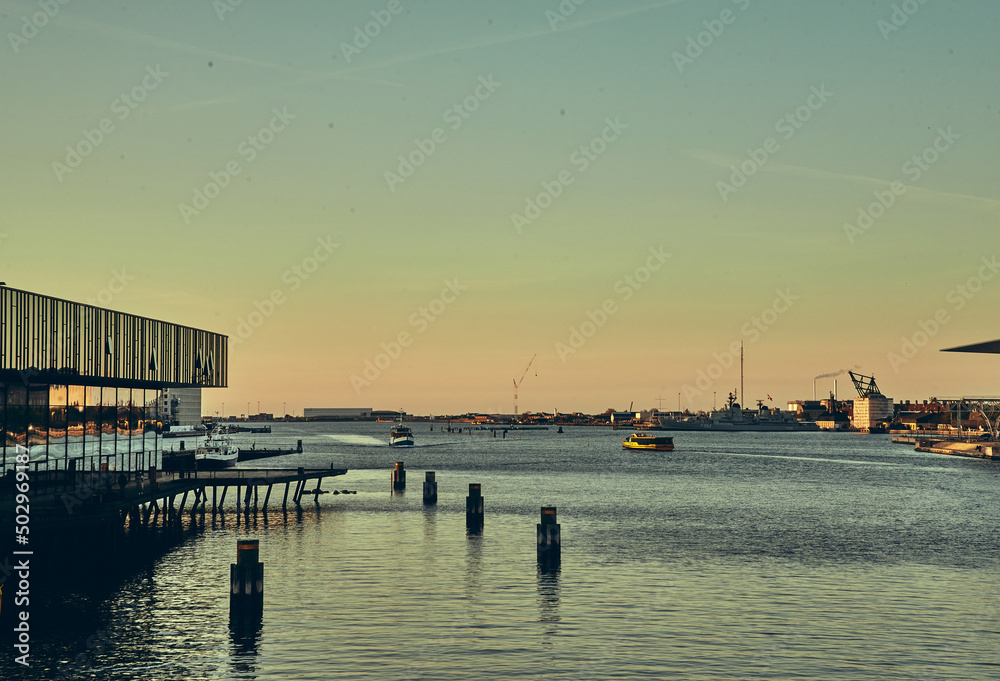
(62, 500)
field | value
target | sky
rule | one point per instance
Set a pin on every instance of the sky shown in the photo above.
(401, 204)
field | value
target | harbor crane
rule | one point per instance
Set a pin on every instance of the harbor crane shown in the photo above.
(865, 385)
(518, 382)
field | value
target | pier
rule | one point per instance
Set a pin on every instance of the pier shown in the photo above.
(980, 449)
(61, 500)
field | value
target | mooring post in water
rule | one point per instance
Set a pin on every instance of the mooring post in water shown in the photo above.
(398, 476)
(430, 488)
(246, 579)
(474, 507)
(549, 544)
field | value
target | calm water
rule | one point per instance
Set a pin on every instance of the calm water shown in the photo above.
(738, 556)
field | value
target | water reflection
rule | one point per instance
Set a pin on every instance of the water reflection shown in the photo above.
(474, 567)
(430, 521)
(548, 601)
(245, 632)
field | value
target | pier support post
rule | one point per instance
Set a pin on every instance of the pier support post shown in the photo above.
(430, 488)
(549, 544)
(246, 580)
(474, 507)
(398, 477)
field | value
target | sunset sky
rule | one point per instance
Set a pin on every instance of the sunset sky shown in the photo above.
(627, 190)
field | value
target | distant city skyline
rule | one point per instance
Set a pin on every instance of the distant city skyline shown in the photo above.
(398, 204)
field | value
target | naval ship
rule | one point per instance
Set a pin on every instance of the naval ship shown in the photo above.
(734, 418)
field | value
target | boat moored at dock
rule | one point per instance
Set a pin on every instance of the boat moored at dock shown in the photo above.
(216, 453)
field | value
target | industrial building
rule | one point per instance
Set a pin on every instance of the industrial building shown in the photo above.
(180, 406)
(872, 409)
(337, 413)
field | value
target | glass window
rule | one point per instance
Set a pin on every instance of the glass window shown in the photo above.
(57, 422)
(38, 416)
(76, 403)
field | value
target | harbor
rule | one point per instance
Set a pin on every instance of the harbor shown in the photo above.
(678, 538)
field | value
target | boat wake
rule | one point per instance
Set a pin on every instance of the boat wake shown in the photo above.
(361, 440)
(813, 458)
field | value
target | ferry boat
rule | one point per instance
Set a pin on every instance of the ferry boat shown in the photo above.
(400, 435)
(659, 443)
(216, 453)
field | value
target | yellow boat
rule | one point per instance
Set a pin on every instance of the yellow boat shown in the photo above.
(658, 443)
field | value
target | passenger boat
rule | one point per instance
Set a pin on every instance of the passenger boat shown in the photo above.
(216, 453)
(660, 443)
(400, 435)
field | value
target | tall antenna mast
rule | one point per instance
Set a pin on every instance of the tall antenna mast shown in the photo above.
(741, 373)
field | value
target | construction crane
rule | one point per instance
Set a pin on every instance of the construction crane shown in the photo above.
(518, 382)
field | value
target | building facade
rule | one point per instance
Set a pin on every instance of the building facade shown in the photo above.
(80, 385)
(871, 411)
(180, 406)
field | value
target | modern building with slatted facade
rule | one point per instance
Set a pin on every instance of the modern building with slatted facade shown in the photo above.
(79, 384)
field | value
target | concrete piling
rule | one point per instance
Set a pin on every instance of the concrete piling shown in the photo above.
(549, 543)
(474, 508)
(430, 488)
(398, 477)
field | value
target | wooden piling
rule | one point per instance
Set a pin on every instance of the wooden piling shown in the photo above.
(398, 477)
(474, 508)
(549, 541)
(246, 580)
(430, 488)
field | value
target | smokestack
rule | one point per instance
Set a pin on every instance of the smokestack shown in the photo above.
(814, 390)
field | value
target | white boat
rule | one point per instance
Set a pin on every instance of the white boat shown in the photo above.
(216, 453)
(400, 435)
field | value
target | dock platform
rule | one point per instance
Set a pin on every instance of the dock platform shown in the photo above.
(62, 500)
